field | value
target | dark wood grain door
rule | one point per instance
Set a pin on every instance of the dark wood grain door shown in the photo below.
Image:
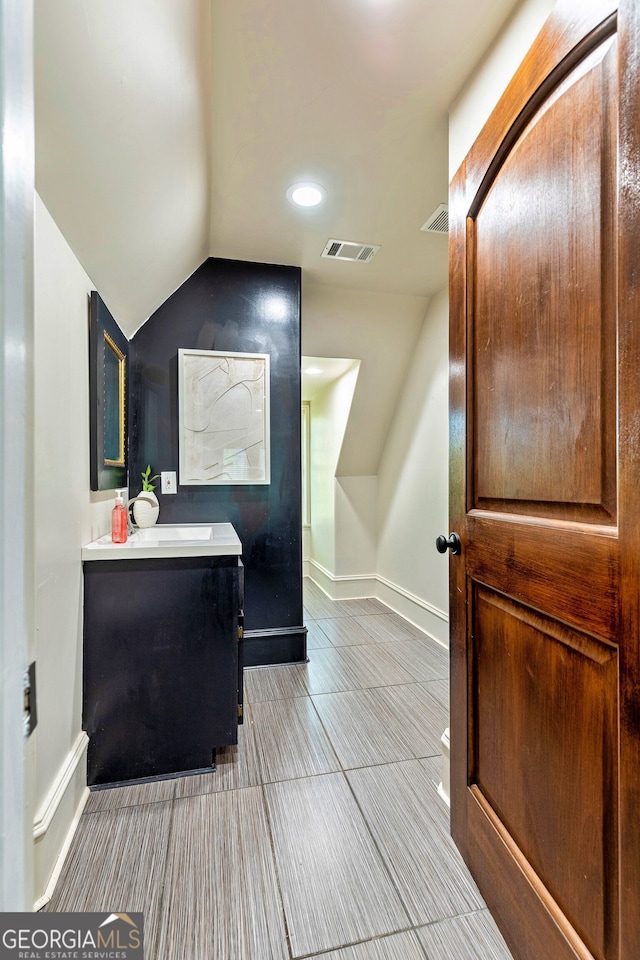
(545, 472)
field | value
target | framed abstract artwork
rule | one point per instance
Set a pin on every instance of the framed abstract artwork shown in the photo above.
(224, 429)
(108, 359)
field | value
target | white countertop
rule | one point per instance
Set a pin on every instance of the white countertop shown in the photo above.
(168, 540)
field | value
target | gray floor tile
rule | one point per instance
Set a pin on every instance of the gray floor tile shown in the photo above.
(398, 803)
(345, 631)
(334, 887)
(311, 589)
(320, 607)
(362, 728)
(130, 796)
(316, 636)
(388, 627)
(316, 607)
(373, 666)
(290, 740)
(472, 937)
(409, 627)
(398, 946)
(116, 863)
(439, 690)
(364, 607)
(329, 670)
(222, 899)
(339, 608)
(424, 659)
(421, 718)
(432, 767)
(275, 683)
(359, 606)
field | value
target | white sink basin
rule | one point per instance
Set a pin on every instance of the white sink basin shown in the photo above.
(165, 532)
(168, 540)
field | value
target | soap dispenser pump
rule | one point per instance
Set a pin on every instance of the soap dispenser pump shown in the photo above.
(119, 520)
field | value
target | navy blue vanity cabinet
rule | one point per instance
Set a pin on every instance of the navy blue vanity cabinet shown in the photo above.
(162, 676)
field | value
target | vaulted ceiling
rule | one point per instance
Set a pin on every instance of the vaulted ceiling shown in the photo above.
(169, 130)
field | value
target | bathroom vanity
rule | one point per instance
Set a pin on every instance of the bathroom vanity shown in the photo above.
(162, 677)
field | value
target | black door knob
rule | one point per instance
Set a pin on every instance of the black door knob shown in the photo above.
(452, 542)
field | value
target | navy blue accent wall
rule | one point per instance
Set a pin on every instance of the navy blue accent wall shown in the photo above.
(252, 308)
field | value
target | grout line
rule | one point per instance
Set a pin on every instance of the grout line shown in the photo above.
(378, 686)
(163, 880)
(343, 772)
(366, 822)
(276, 871)
(127, 806)
(311, 776)
(382, 859)
(359, 943)
(379, 851)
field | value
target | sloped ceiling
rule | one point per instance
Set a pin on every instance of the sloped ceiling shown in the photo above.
(168, 130)
(122, 113)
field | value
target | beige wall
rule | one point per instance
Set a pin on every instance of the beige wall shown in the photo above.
(350, 422)
(413, 483)
(474, 104)
(356, 527)
(379, 329)
(67, 515)
(330, 411)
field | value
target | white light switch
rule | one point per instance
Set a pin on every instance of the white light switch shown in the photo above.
(168, 481)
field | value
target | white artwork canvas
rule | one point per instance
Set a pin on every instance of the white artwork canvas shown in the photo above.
(224, 417)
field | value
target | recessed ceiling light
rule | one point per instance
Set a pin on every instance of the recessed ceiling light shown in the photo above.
(312, 371)
(306, 194)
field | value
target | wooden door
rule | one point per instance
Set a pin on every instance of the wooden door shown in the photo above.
(545, 471)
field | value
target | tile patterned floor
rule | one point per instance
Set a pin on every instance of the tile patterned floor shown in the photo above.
(320, 835)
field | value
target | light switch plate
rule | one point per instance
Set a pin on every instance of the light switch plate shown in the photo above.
(168, 481)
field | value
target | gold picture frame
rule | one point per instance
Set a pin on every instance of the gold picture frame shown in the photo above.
(114, 403)
(108, 361)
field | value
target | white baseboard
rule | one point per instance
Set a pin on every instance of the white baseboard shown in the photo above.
(434, 622)
(50, 804)
(56, 820)
(421, 613)
(342, 588)
(64, 850)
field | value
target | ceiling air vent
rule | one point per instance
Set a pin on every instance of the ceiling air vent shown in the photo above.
(438, 222)
(350, 250)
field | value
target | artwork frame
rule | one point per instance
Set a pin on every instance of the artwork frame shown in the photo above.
(108, 382)
(224, 418)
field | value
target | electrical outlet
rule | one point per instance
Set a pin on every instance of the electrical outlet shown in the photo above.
(168, 481)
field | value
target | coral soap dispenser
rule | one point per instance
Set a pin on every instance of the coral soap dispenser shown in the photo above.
(119, 520)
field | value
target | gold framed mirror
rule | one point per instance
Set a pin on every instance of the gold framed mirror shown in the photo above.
(108, 362)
